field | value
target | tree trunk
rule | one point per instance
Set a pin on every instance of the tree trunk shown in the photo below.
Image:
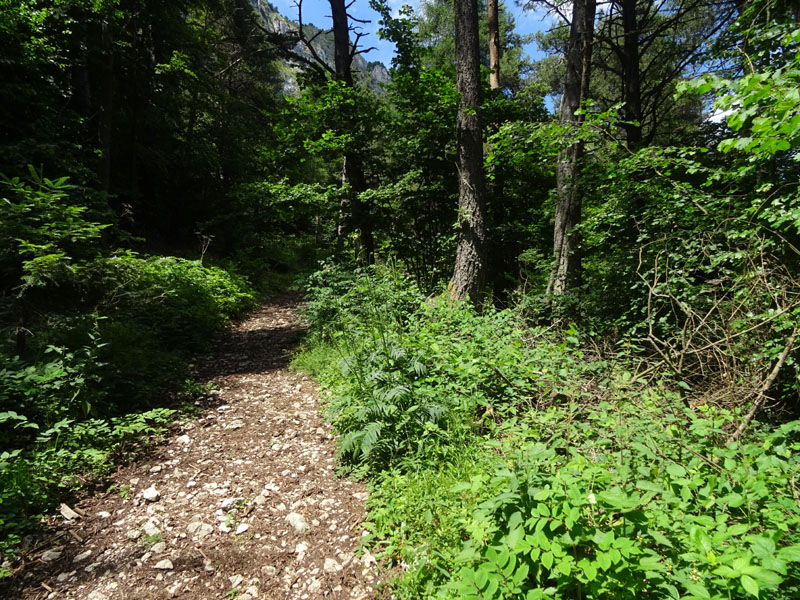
(494, 43)
(566, 273)
(341, 42)
(470, 269)
(352, 213)
(105, 122)
(631, 81)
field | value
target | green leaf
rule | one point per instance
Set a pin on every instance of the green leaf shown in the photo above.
(698, 590)
(547, 560)
(790, 553)
(749, 585)
(565, 567)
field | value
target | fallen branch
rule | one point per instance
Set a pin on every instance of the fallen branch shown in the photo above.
(762, 392)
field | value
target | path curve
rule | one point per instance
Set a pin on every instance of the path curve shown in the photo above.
(243, 502)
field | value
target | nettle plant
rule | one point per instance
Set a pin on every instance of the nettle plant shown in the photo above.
(620, 505)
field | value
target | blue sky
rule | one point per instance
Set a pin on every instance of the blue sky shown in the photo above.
(317, 12)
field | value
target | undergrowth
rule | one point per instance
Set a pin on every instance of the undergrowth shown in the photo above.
(511, 462)
(93, 345)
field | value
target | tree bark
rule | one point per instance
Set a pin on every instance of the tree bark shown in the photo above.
(493, 22)
(566, 273)
(469, 274)
(105, 121)
(352, 213)
(631, 80)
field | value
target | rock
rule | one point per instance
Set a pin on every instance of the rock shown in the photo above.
(297, 521)
(252, 591)
(331, 566)
(156, 469)
(133, 534)
(300, 550)
(159, 547)
(314, 586)
(68, 513)
(82, 556)
(104, 514)
(173, 591)
(92, 567)
(151, 494)
(236, 580)
(150, 528)
(368, 560)
(227, 503)
(184, 439)
(51, 555)
(269, 571)
(62, 577)
(242, 528)
(164, 565)
(234, 425)
(97, 595)
(259, 500)
(199, 529)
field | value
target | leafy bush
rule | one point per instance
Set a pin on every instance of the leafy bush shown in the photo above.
(511, 462)
(180, 301)
(94, 338)
(30, 478)
(628, 499)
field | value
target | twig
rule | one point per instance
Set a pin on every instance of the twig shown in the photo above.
(762, 392)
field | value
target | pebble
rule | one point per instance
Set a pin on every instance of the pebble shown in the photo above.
(331, 566)
(234, 425)
(82, 556)
(236, 580)
(297, 521)
(269, 571)
(164, 565)
(133, 534)
(103, 514)
(51, 555)
(242, 528)
(199, 529)
(184, 439)
(226, 504)
(150, 528)
(96, 595)
(159, 547)
(151, 494)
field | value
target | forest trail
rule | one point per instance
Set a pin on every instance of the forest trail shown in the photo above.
(240, 502)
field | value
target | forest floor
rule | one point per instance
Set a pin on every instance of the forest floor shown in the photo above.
(238, 502)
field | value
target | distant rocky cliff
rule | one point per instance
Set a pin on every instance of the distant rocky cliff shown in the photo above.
(374, 74)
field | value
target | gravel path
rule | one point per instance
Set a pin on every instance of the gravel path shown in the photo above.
(240, 502)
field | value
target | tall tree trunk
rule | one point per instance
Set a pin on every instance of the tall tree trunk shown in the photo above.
(631, 81)
(341, 42)
(105, 122)
(493, 21)
(469, 274)
(352, 212)
(566, 273)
